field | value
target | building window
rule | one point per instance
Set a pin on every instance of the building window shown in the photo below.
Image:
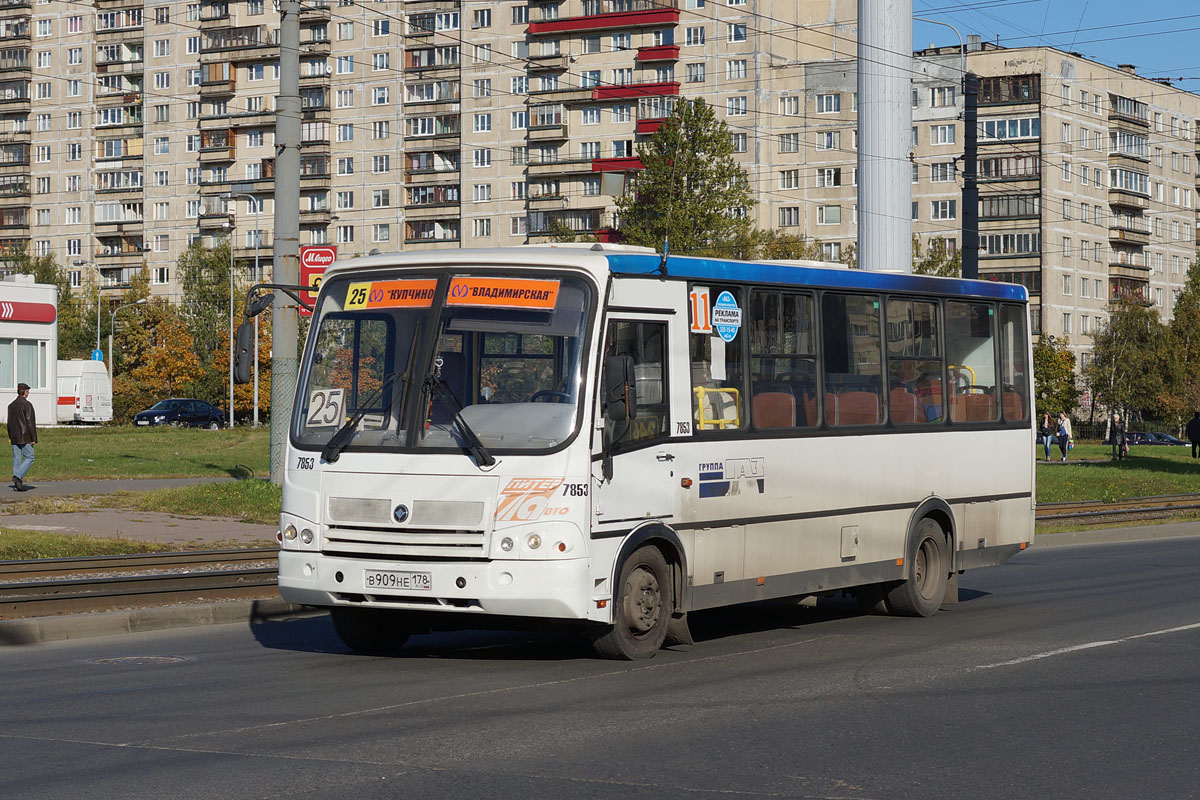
(737, 33)
(481, 227)
(943, 209)
(694, 36)
(735, 106)
(942, 134)
(694, 73)
(829, 103)
(829, 215)
(789, 216)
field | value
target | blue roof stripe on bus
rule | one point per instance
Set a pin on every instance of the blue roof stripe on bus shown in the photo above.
(750, 272)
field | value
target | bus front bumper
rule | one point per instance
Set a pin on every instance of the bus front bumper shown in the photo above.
(550, 589)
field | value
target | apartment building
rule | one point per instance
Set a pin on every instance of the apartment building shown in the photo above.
(1087, 176)
(130, 129)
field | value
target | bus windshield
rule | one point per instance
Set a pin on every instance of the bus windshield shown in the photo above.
(501, 360)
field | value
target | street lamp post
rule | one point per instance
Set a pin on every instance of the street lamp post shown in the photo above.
(255, 203)
(229, 241)
(112, 323)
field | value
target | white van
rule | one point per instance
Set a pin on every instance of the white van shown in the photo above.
(84, 392)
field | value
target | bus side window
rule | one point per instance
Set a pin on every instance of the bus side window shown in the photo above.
(1014, 369)
(971, 362)
(914, 362)
(646, 344)
(717, 365)
(783, 371)
(852, 359)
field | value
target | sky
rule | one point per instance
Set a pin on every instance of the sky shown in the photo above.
(1159, 37)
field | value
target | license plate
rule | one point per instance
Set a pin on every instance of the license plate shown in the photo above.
(390, 579)
(142, 422)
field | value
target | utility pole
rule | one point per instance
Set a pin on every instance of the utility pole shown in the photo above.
(884, 137)
(285, 316)
(970, 192)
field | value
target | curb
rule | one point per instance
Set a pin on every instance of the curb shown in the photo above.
(108, 623)
(1171, 530)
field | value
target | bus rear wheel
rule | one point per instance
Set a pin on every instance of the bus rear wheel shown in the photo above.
(370, 630)
(922, 593)
(641, 610)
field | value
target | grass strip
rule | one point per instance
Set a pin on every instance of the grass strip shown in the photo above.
(115, 451)
(19, 545)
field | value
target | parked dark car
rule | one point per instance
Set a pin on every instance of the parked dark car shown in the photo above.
(181, 411)
(1166, 438)
(1138, 437)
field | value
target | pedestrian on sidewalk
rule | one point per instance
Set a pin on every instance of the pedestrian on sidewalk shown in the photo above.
(1116, 437)
(1064, 433)
(22, 432)
(1193, 434)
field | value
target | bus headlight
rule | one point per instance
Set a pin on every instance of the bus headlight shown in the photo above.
(506, 544)
(534, 541)
(306, 536)
(289, 533)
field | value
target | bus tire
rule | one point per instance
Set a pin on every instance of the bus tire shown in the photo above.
(922, 593)
(370, 630)
(641, 609)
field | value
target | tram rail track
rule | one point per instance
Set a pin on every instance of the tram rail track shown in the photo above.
(48, 587)
(54, 586)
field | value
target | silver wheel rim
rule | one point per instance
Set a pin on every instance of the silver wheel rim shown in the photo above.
(643, 601)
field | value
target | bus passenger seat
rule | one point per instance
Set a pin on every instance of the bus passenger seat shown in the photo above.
(1014, 405)
(904, 407)
(774, 410)
(858, 408)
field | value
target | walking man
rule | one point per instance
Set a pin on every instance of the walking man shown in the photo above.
(22, 432)
(1193, 434)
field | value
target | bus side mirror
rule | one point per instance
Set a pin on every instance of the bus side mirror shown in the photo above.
(621, 388)
(259, 304)
(243, 352)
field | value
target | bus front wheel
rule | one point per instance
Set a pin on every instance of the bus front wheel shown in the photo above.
(370, 630)
(641, 609)
(922, 594)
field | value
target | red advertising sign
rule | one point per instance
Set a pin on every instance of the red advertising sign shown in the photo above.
(313, 261)
(15, 311)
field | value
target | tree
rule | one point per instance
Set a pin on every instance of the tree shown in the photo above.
(689, 186)
(1054, 384)
(1185, 343)
(1132, 367)
(167, 367)
(204, 281)
(938, 261)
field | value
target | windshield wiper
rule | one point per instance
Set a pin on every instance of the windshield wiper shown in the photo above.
(435, 385)
(341, 437)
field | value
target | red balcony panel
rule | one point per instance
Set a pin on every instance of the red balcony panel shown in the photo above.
(627, 164)
(649, 126)
(626, 90)
(663, 52)
(608, 235)
(628, 19)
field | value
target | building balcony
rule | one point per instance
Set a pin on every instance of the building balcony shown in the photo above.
(1114, 115)
(547, 202)
(1128, 235)
(567, 94)
(8, 168)
(572, 166)
(1127, 268)
(254, 43)
(117, 5)
(648, 127)
(131, 33)
(119, 227)
(430, 211)
(119, 260)
(315, 47)
(219, 88)
(11, 103)
(662, 52)
(121, 68)
(217, 154)
(627, 164)
(420, 144)
(1122, 198)
(640, 14)
(554, 63)
(548, 133)
(428, 177)
(1135, 162)
(321, 216)
(635, 90)
(213, 222)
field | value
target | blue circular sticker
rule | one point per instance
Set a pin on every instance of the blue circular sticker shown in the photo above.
(726, 317)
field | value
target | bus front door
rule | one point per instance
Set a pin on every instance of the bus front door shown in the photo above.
(635, 473)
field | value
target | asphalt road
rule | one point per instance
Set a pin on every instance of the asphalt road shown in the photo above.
(1069, 672)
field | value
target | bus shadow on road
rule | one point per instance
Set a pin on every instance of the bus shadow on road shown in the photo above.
(315, 634)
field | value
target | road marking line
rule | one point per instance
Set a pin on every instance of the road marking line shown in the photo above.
(1088, 646)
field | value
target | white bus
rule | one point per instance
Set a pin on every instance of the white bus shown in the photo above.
(557, 434)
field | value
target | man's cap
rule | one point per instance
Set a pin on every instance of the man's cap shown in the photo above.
(22, 387)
